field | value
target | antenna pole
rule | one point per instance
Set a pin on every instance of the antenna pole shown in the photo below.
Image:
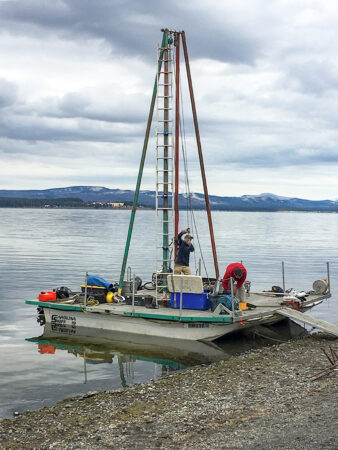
(199, 147)
(177, 133)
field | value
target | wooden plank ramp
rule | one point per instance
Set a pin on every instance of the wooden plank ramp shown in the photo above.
(305, 318)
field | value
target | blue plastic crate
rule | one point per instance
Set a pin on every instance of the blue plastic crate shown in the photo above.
(190, 301)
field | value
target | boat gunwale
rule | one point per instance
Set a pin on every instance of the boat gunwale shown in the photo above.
(162, 317)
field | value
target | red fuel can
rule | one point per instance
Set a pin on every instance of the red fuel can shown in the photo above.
(47, 296)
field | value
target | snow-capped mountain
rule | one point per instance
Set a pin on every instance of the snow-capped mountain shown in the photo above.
(262, 202)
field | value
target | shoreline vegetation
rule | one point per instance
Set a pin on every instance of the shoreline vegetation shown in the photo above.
(77, 203)
(260, 399)
(61, 203)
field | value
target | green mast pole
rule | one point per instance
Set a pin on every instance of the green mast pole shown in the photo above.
(140, 172)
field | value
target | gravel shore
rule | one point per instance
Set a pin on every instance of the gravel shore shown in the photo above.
(262, 399)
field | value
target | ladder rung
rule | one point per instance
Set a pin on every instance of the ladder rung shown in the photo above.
(164, 96)
(164, 145)
(164, 109)
(170, 72)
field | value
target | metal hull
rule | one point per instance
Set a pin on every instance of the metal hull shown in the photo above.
(66, 323)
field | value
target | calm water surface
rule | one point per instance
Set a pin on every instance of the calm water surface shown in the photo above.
(44, 249)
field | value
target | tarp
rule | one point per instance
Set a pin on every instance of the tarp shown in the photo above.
(94, 280)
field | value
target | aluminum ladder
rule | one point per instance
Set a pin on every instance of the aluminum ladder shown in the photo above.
(164, 169)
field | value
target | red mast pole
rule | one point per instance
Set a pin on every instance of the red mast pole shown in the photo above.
(199, 147)
(177, 133)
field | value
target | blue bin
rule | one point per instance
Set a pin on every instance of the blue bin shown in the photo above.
(190, 301)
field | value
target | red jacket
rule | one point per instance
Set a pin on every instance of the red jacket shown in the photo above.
(230, 273)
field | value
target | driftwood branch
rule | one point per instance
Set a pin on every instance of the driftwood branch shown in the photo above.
(333, 359)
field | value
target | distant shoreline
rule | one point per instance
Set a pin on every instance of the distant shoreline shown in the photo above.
(146, 208)
(101, 197)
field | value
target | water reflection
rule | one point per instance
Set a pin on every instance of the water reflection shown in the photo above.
(166, 355)
(103, 346)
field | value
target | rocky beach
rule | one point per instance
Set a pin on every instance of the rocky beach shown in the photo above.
(262, 399)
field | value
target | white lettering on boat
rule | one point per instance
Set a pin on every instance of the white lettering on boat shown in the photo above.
(63, 324)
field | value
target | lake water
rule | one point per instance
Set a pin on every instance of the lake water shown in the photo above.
(44, 249)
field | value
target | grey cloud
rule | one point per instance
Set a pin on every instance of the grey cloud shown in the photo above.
(133, 26)
(38, 129)
(97, 157)
(273, 157)
(76, 117)
(313, 76)
(74, 103)
(8, 93)
(128, 109)
(36, 13)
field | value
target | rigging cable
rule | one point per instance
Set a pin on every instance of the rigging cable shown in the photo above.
(189, 202)
(187, 194)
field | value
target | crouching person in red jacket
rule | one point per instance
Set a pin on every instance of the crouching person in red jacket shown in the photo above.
(238, 272)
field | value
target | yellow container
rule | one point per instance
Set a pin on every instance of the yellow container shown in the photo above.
(242, 306)
(110, 297)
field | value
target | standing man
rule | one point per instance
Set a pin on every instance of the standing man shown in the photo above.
(185, 247)
(237, 272)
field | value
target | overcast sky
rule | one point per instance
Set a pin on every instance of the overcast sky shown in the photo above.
(76, 80)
